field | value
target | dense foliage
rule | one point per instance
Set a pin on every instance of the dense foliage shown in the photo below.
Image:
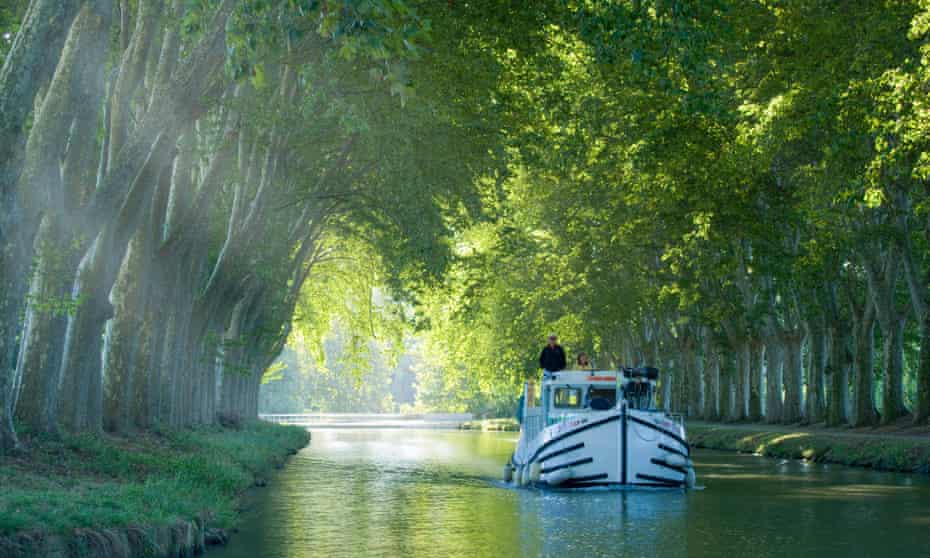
(733, 191)
(173, 172)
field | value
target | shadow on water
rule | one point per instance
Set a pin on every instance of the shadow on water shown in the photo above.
(421, 493)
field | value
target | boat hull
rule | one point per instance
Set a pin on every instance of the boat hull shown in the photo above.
(619, 447)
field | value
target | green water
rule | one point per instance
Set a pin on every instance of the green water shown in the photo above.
(422, 493)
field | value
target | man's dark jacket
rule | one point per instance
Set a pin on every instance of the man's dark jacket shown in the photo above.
(552, 358)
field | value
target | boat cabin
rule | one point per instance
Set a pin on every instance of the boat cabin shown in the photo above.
(571, 393)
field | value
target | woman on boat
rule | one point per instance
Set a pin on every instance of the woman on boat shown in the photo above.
(583, 362)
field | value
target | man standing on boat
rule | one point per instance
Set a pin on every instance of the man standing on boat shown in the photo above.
(552, 358)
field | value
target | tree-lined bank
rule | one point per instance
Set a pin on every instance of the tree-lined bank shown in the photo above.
(171, 173)
(735, 192)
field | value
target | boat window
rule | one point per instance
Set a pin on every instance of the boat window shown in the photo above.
(608, 393)
(567, 398)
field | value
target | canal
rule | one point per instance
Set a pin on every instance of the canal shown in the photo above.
(436, 493)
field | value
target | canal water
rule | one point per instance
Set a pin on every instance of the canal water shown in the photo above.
(435, 493)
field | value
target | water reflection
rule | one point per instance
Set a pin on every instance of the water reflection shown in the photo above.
(382, 493)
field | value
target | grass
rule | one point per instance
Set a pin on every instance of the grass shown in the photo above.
(888, 453)
(151, 479)
(492, 425)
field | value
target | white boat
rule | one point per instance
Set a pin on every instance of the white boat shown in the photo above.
(599, 428)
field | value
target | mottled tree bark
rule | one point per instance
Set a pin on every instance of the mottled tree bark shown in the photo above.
(729, 392)
(883, 275)
(922, 404)
(864, 412)
(792, 377)
(698, 390)
(711, 381)
(122, 335)
(774, 354)
(756, 358)
(918, 284)
(80, 396)
(893, 363)
(741, 380)
(26, 69)
(129, 80)
(39, 360)
(818, 359)
(56, 249)
(838, 364)
(30, 63)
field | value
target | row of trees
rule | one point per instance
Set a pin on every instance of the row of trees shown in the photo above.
(736, 192)
(170, 174)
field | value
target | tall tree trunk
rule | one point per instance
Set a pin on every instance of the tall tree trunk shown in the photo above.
(774, 354)
(741, 380)
(28, 66)
(39, 361)
(129, 80)
(818, 359)
(665, 389)
(838, 373)
(922, 405)
(729, 371)
(680, 385)
(883, 274)
(756, 359)
(35, 54)
(918, 284)
(698, 389)
(123, 338)
(149, 394)
(711, 380)
(164, 359)
(893, 363)
(864, 412)
(81, 383)
(792, 377)
(140, 396)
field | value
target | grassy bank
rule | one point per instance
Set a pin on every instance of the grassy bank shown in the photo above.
(492, 425)
(59, 485)
(886, 452)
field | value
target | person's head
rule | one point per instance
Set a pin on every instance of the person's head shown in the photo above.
(553, 340)
(583, 359)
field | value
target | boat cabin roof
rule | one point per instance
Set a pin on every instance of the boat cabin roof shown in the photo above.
(611, 377)
(582, 377)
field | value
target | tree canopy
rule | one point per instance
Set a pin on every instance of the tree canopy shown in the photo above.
(735, 192)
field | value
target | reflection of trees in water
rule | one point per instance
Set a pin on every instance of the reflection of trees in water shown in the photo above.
(603, 523)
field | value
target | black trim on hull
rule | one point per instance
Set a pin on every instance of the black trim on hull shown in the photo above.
(662, 480)
(557, 453)
(572, 483)
(673, 450)
(561, 437)
(584, 461)
(668, 433)
(624, 451)
(618, 485)
(587, 484)
(657, 485)
(661, 463)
